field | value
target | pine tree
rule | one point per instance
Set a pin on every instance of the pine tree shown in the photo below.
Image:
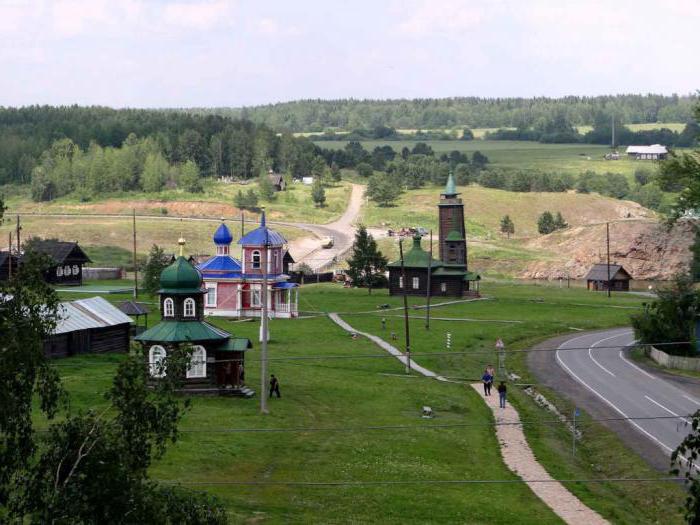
(318, 194)
(545, 223)
(265, 187)
(559, 222)
(157, 261)
(507, 226)
(336, 175)
(366, 263)
(382, 190)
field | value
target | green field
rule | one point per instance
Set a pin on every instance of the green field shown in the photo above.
(372, 391)
(552, 158)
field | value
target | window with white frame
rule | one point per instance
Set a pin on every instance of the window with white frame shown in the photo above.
(168, 308)
(210, 298)
(189, 307)
(221, 250)
(156, 361)
(443, 287)
(198, 363)
(400, 282)
(416, 283)
(59, 271)
(256, 260)
(66, 270)
(76, 269)
(255, 298)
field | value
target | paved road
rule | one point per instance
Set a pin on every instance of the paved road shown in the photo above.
(597, 361)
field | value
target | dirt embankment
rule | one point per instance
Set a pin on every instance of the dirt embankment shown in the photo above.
(648, 250)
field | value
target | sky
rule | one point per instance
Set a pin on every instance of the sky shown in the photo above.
(205, 53)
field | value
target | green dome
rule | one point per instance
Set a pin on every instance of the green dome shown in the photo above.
(180, 277)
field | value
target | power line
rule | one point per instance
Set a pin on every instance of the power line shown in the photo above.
(417, 482)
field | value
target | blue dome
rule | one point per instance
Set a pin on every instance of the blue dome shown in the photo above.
(223, 235)
(262, 235)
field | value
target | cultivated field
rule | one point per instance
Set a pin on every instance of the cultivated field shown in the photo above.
(552, 158)
(354, 394)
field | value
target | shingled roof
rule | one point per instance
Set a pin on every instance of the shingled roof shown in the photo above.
(599, 272)
(59, 251)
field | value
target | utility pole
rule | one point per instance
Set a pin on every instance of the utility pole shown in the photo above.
(607, 236)
(405, 309)
(9, 256)
(430, 269)
(136, 277)
(19, 244)
(613, 131)
(263, 330)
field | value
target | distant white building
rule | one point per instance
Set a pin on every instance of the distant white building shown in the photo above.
(653, 152)
(307, 180)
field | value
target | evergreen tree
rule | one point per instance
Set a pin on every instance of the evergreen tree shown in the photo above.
(318, 194)
(319, 169)
(156, 263)
(336, 175)
(545, 223)
(559, 222)
(265, 187)
(364, 169)
(507, 226)
(366, 263)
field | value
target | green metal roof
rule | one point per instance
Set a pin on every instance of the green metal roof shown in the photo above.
(236, 344)
(181, 277)
(182, 331)
(450, 187)
(416, 257)
(454, 235)
(471, 276)
(449, 271)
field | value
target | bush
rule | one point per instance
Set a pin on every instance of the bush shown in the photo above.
(364, 169)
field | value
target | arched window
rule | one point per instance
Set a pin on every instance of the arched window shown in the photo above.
(189, 307)
(198, 363)
(76, 269)
(168, 308)
(66, 270)
(59, 271)
(222, 249)
(156, 361)
(256, 260)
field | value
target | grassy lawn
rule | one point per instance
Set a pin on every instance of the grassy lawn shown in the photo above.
(373, 391)
(294, 204)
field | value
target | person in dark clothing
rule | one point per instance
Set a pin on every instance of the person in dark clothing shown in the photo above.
(274, 386)
(488, 381)
(502, 394)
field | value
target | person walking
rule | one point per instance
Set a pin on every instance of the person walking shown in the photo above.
(383, 323)
(488, 380)
(502, 394)
(274, 386)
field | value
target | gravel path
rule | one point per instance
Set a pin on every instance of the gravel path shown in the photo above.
(518, 457)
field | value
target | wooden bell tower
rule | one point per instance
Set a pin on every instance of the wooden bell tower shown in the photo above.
(453, 238)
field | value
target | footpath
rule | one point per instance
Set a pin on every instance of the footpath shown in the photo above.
(516, 452)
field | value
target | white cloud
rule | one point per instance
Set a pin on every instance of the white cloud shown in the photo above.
(429, 18)
(199, 15)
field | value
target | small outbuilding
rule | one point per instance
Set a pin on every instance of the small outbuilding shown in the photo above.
(89, 326)
(277, 181)
(653, 152)
(597, 278)
(136, 310)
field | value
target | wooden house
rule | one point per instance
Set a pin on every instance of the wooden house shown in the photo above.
(597, 278)
(653, 152)
(217, 359)
(89, 326)
(68, 260)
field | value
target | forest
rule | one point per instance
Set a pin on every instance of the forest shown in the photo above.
(472, 112)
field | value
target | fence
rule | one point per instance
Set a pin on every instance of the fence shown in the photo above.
(673, 361)
(301, 278)
(101, 274)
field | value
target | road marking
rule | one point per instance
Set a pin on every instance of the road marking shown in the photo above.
(638, 368)
(691, 399)
(667, 409)
(610, 403)
(590, 354)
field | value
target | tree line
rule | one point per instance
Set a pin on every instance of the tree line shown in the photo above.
(474, 112)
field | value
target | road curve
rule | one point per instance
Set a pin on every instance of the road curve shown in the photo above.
(597, 361)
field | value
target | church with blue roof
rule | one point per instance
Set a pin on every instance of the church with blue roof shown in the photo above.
(234, 285)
